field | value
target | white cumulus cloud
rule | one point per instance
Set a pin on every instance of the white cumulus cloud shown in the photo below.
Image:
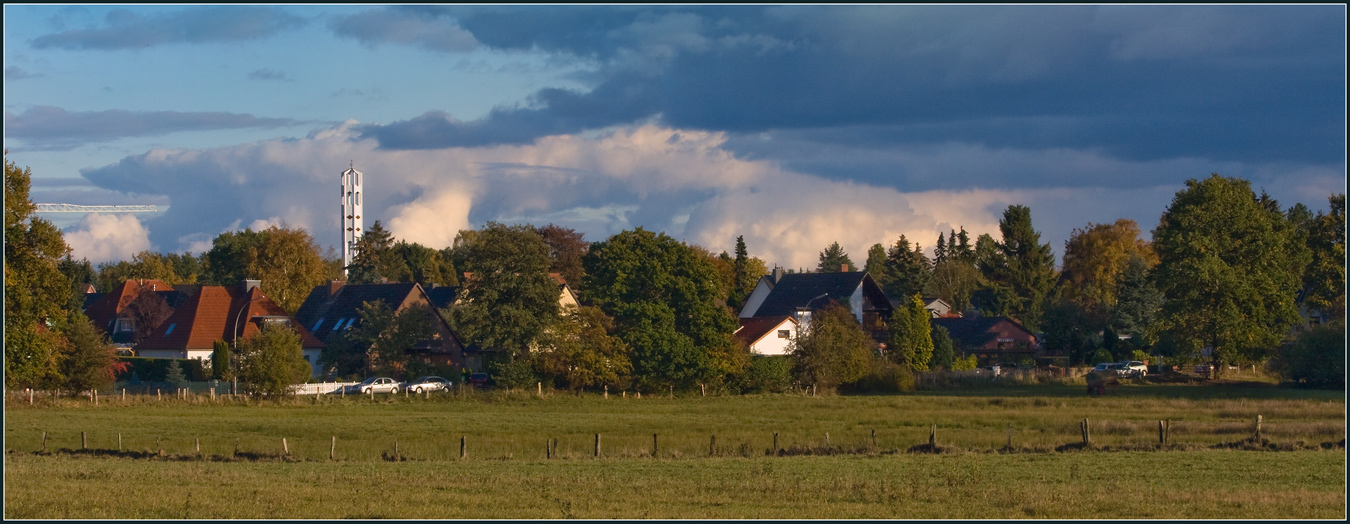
(108, 238)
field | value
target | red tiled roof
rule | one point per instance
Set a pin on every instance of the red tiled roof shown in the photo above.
(102, 312)
(215, 313)
(753, 329)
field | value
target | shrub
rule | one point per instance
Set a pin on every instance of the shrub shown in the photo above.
(174, 374)
(967, 363)
(1102, 355)
(767, 374)
(515, 373)
(156, 369)
(883, 377)
(1316, 358)
(271, 361)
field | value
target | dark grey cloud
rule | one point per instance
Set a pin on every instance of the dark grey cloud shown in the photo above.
(13, 73)
(267, 74)
(54, 128)
(123, 29)
(1143, 83)
(60, 182)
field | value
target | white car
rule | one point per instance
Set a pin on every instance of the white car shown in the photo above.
(432, 383)
(375, 384)
(1133, 368)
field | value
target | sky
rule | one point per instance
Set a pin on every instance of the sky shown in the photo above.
(794, 126)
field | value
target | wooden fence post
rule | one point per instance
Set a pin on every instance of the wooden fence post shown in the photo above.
(1087, 432)
(197, 444)
(396, 453)
(84, 441)
(654, 445)
(1009, 444)
(827, 439)
(30, 396)
(236, 447)
(157, 396)
(44, 441)
(703, 390)
(712, 445)
(932, 436)
(606, 391)
(463, 447)
(119, 442)
(874, 439)
(124, 394)
(597, 445)
(775, 443)
(284, 448)
(332, 449)
(672, 391)
(548, 448)
(95, 397)
(1162, 437)
(1258, 427)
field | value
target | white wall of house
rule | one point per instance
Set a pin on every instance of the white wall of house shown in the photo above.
(855, 302)
(774, 343)
(199, 354)
(756, 298)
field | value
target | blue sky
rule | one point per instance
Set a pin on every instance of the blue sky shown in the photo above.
(794, 126)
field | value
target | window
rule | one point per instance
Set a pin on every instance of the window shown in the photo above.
(317, 324)
(349, 323)
(125, 325)
(170, 330)
(337, 325)
(358, 198)
(358, 177)
(784, 333)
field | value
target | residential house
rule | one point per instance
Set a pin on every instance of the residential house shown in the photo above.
(335, 307)
(936, 307)
(767, 335)
(108, 311)
(989, 337)
(210, 313)
(797, 295)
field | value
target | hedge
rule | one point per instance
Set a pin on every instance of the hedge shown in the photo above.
(154, 369)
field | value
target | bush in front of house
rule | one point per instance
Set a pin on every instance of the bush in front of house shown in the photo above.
(883, 377)
(157, 369)
(766, 374)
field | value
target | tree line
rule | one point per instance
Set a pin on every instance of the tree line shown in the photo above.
(1227, 271)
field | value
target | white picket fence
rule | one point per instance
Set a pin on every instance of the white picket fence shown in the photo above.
(320, 388)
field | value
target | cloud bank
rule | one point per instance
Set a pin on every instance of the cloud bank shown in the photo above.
(54, 128)
(107, 238)
(124, 29)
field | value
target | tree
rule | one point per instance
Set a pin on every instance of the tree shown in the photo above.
(1137, 303)
(1317, 357)
(143, 265)
(1071, 330)
(375, 259)
(944, 350)
(35, 289)
(911, 337)
(662, 295)
(566, 247)
(287, 262)
(1024, 266)
(510, 299)
(222, 361)
(146, 312)
(909, 270)
(1324, 281)
(1094, 258)
(271, 361)
(833, 349)
(227, 262)
(78, 273)
(579, 352)
(174, 374)
(876, 266)
(746, 272)
(955, 275)
(1230, 268)
(387, 339)
(424, 265)
(89, 361)
(832, 259)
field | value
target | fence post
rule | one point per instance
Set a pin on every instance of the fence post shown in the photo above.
(44, 441)
(932, 436)
(548, 448)
(332, 449)
(712, 445)
(159, 447)
(654, 449)
(874, 439)
(1258, 427)
(95, 397)
(157, 397)
(1087, 433)
(124, 394)
(703, 390)
(197, 444)
(539, 388)
(30, 396)
(597, 445)
(463, 449)
(119, 442)
(606, 391)
(1161, 436)
(775, 443)
(284, 448)
(84, 441)
(396, 453)
(236, 447)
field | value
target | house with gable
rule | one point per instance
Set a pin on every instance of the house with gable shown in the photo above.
(108, 311)
(767, 335)
(206, 314)
(990, 338)
(798, 295)
(336, 307)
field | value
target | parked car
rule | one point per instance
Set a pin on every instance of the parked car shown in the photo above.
(1108, 367)
(430, 383)
(1134, 368)
(479, 380)
(375, 384)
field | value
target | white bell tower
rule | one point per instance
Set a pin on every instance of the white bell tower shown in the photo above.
(351, 215)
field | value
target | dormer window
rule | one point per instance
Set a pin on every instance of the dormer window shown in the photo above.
(170, 330)
(125, 325)
(338, 324)
(317, 324)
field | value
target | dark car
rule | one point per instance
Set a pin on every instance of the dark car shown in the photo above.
(479, 380)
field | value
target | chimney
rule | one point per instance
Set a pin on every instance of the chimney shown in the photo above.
(843, 268)
(250, 284)
(777, 274)
(334, 286)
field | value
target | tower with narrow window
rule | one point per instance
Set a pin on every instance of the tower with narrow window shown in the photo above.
(351, 215)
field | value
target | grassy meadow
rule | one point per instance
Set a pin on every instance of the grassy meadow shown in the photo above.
(713, 456)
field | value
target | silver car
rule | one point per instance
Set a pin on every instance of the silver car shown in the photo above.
(375, 384)
(429, 383)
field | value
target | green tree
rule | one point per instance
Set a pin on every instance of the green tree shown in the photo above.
(288, 263)
(388, 339)
(832, 258)
(1072, 331)
(89, 361)
(510, 299)
(944, 351)
(1023, 266)
(833, 349)
(174, 374)
(1138, 302)
(1324, 281)
(375, 259)
(1230, 268)
(876, 265)
(78, 273)
(662, 295)
(222, 361)
(272, 361)
(1317, 357)
(746, 273)
(424, 265)
(911, 338)
(227, 262)
(909, 269)
(35, 289)
(579, 352)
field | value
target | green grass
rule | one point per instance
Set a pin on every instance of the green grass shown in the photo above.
(506, 435)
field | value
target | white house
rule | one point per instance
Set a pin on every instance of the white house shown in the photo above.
(767, 335)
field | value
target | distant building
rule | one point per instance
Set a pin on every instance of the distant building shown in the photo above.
(767, 335)
(798, 295)
(351, 215)
(989, 337)
(336, 307)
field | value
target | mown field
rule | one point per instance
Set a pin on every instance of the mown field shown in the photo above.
(714, 456)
